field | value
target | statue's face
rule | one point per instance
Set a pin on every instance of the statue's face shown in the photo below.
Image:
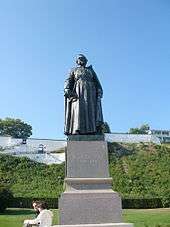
(81, 61)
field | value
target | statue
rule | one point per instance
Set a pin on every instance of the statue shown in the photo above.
(83, 93)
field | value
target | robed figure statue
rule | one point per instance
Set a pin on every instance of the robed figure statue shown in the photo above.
(83, 93)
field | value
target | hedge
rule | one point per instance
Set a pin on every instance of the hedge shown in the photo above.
(127, 203)
(145, 203)
(20, 202)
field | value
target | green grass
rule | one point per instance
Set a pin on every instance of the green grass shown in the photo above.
(148, 217)
(15, 217)
(141, 218)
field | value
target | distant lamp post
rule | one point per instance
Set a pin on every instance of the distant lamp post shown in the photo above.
(24, 141)
(40, 149)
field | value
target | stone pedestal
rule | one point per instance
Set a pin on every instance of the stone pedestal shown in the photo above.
(87, 159)
(88, 199)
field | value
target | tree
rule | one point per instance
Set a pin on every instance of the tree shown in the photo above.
(142, 130)
(106, 128)
(15, 128)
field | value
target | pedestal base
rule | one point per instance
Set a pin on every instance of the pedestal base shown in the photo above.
(89, 206)
(99, 225)
(88, 200)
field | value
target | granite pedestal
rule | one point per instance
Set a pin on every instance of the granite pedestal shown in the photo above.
(88, 199)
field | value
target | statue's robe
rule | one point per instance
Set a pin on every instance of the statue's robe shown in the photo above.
(83, 111)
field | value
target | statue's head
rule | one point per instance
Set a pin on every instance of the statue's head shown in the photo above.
(81, 60)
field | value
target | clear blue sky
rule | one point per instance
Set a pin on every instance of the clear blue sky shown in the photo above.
(127, 42)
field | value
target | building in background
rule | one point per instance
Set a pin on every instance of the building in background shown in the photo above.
(47, 151)
(51, 151)
(163, 135)
(131, 138)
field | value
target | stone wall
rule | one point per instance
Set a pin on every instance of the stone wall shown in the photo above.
(131, 138)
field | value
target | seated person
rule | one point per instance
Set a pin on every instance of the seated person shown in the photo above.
(44, 218)
(34, 205)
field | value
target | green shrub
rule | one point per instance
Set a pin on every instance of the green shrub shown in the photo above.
(31, 179)
(166, 202)
(138, 171)
(5, 197)
(21, 202)
(142, 203)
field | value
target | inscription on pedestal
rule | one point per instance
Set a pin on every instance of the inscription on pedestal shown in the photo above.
(87, 159)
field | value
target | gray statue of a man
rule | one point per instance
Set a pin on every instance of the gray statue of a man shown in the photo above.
(83, 93)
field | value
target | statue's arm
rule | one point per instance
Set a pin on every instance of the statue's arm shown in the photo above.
(69, 84)
(98, 85)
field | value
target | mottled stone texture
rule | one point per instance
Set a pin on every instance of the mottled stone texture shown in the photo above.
(84, 207)
(87, 159)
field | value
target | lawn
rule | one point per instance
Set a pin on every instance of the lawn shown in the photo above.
(141, 218)
(148, 217)
(15, 217)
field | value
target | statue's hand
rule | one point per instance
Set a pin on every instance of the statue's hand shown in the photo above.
(67, 93)
(74, 97)
(100, 95)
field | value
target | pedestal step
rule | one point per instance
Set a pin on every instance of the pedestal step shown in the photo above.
(72, 184)
(98, 225)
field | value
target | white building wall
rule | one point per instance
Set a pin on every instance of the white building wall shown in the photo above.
(131, 138)
(30, 149)
(5, 141)
(32, 145)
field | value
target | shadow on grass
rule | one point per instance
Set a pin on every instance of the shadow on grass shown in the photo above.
(18, 212)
